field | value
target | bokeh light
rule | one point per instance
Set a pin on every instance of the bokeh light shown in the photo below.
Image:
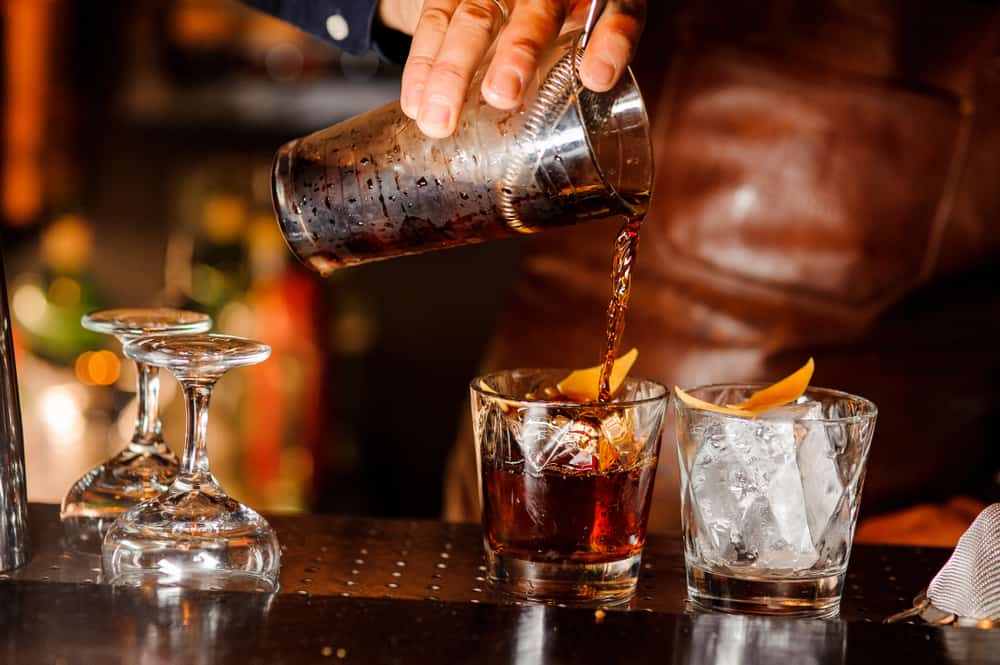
(60, 409)
(29, 304)
(97, 368)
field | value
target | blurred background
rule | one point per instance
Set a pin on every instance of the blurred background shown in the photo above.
(137, 143)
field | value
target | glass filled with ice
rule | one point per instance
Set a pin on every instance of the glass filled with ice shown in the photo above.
(565, 486)
(769, 501)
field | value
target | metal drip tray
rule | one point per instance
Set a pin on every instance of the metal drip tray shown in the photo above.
(354, 557)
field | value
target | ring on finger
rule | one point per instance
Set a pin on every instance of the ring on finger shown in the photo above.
(504, 10)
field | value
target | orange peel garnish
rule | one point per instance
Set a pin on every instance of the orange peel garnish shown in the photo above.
(581, 385)
(782, 392)
(696, 403)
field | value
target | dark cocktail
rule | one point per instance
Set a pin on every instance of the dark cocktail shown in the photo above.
(565, 485)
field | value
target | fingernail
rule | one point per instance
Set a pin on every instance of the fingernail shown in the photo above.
(602, 72)
(436, 115)
(411, 100)
(506, 84)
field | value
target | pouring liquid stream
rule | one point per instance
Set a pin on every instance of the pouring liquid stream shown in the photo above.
(626, 245)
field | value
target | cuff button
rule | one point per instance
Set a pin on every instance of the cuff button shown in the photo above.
(336, 25)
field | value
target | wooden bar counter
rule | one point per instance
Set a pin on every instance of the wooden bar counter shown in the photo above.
(359, 590)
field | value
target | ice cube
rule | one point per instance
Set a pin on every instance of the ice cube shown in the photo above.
(816, 461)
(497, 431)
(549, 440)
(617, 429)
(747, 486)
(795, 411)
(821, 482)
(619, 442)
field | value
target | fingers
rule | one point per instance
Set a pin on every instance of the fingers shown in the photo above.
(612, 44)
(473, 28)
(400, 15)
(532, 27)
(453, 36)
(427, 39)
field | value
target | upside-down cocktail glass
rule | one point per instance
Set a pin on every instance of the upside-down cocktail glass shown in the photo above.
(146, 466)
(194, 535)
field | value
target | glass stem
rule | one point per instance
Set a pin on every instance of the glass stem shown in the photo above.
(147, 420)
(194, 465)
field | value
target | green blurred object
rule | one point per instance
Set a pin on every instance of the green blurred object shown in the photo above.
(48, 307)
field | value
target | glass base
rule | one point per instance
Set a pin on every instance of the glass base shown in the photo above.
(85, 534)
(813, 597)
(192, 538)
(210, 581)
(109, 489)
(569, 582)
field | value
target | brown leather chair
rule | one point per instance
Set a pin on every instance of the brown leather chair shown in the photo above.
(827, 185)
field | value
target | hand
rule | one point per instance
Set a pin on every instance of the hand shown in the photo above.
(451, 39)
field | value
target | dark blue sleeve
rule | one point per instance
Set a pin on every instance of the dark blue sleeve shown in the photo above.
(350, 25)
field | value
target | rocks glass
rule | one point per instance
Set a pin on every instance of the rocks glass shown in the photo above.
(565, 487)
(769, 503)
(146, 467)
(194, 535)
